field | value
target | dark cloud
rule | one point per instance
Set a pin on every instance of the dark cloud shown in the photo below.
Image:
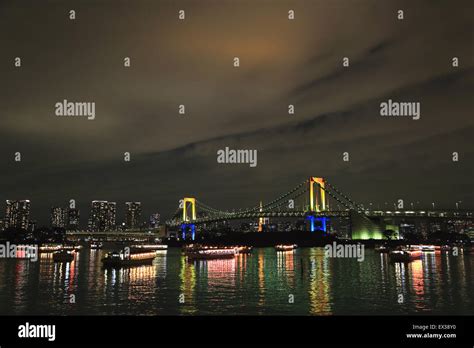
(282, 62)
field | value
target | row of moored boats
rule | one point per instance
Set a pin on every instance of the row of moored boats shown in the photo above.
(407, 253)
(135, 254)
(145, 254)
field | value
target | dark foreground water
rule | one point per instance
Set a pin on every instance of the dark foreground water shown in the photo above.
(303, 282)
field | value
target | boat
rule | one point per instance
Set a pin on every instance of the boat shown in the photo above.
(405, 254)
(49, 248)
(122, 259)
(97, 245)
(63, 256)
(445, 247)
(429, 248)
(156, 247)
(209, 253)
(244, 249)
(72, 247)
(283, 247)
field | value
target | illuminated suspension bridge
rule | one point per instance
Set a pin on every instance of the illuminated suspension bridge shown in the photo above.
(317, 211)
(319, 200)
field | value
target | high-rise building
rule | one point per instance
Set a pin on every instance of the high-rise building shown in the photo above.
(73, 219)
(155, 220)
(58, 217)
(32, 225)
(17, 214)
(98, 216)
(133, 212)
(111, 216)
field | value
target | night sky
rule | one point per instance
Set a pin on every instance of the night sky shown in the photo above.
(190, 62)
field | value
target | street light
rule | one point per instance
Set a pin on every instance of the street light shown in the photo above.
(433, 205)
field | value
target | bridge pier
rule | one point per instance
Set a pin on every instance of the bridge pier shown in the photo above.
(184, 227)
(323, 220)
(323, 224)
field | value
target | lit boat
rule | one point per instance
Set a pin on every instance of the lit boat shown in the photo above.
(209, 253)
(282, 247)
(49, 248)
(428, 248)
(244, 249)
(405, 254)
(121, 259)
(63, 256)
(156, 247)
(445, 248)
(72, 247)
(96, 245)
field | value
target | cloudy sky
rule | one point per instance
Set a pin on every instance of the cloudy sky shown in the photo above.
(190, 62)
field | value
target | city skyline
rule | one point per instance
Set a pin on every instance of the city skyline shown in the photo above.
(171, 155)
(213, 165)
(130, 217)
(17, 214)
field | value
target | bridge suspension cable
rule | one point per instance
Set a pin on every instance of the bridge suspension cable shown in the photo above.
(209, 209)
(296, 188)
(295, 192)
(285, 202)
(353, 204)
(337, 199)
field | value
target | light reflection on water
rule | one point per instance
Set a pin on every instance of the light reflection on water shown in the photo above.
(260, 283)
(319, 298)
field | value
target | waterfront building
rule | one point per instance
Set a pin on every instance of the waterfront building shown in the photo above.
(133, 212)
(102, 216)
(155, 220)
(17, 214)
(58, 217)
(32, 225)
(111, 216)
(73, 219)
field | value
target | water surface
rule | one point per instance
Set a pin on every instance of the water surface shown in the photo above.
(302, 282)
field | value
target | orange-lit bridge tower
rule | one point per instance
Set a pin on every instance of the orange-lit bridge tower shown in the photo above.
(315, 205)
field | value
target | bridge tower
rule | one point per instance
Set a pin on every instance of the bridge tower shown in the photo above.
(314, 207)
(262, 220)
(187, 222)
(313, 200)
